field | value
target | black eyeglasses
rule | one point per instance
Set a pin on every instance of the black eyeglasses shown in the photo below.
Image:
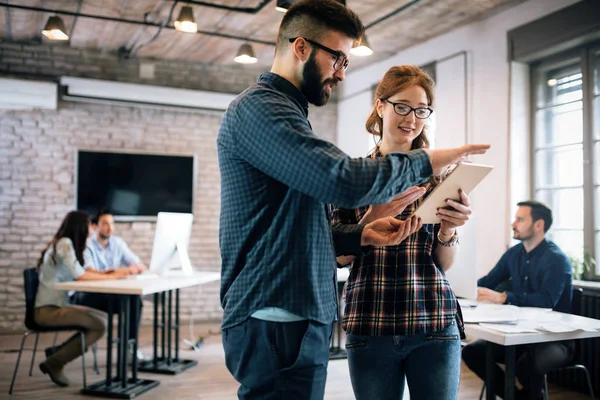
(404, 110)
(341, 60)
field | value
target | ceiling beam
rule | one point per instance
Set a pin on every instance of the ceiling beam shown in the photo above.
(131, 21)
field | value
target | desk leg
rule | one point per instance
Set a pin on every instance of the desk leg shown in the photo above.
(121, 387)
(109, 342)
(155, 325)
(176, 327)
(124, 336)
(509, 372)
(134, 309)
(163, 321)
(490, 384)
(168, 364)
(170, 327)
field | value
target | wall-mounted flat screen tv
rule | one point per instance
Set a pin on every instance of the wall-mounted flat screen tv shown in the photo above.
(134, 186)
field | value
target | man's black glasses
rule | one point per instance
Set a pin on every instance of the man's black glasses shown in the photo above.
(404, 110)
(341, 60)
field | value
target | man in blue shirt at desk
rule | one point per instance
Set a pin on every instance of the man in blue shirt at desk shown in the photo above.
(536, 273)
(106, 252)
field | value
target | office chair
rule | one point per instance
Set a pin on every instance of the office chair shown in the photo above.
(31, 280)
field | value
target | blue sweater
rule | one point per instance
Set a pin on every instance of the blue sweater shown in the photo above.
(540, 278)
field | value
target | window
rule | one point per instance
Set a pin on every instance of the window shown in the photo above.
(566, 147)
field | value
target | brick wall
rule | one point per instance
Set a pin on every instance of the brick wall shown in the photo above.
(37, 154)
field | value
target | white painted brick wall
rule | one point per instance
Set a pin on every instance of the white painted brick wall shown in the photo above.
(37, 155)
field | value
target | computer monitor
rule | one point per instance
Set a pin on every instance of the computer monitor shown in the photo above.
(171, 242)
(463, 274)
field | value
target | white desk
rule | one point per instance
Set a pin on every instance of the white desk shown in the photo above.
(127, 292)
(510, 340)
(140, 287)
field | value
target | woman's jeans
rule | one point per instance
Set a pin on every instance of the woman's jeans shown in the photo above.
(430, 363)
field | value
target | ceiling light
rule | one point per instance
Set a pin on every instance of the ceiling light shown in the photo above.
(186, 22)
(552, 82)
(245, 55)
(363, 50)
(55, 29)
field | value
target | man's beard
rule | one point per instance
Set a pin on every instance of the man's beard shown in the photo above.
(523, 235)
(312, 87)
(103, 237)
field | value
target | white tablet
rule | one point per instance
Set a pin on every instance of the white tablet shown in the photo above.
(465, 176)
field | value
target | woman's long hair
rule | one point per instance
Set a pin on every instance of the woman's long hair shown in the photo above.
(74, 226)
(395, 80)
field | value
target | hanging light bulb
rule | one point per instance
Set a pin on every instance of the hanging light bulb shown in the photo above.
(364, 49)
(186, 22)
(245, 55)
(55, 29)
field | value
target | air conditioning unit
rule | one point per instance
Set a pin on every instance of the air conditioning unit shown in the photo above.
(20, 94)
(100, 91)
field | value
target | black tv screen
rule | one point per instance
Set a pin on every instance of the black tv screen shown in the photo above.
(134, 185)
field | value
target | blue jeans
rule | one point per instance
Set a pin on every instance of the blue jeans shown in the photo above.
(430, 363)
(278, 360)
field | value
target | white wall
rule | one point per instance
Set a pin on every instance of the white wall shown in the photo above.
(488, 114)
(356, 141)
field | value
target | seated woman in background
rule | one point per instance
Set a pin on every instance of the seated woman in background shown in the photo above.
(62, 261)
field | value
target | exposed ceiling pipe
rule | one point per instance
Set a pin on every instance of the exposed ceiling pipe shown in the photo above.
(247, 10)
(396, 11)
(131, 21)
(74, 19)
(8, 27)
(133, 49)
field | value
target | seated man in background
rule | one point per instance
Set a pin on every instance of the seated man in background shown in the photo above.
(541, 276)
(106, 252)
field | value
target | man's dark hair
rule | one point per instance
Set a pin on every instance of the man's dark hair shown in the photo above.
(539, 211)
(313, 18)
(99, 214)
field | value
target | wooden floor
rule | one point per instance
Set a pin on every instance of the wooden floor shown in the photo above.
(208, 380)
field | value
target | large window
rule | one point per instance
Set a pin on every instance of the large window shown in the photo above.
(566, 147)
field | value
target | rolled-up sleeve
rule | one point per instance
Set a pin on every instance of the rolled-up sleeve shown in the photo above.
(128, 256)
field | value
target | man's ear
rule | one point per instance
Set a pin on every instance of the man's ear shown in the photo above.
(301, 49)
(539, 225)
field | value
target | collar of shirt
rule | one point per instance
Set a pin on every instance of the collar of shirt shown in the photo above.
(97, 242)
(536, 250)
(285, 86)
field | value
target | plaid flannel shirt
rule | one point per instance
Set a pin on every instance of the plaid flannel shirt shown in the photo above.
(397, 290)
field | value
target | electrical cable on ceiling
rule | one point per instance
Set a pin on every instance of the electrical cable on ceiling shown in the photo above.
(131, 52)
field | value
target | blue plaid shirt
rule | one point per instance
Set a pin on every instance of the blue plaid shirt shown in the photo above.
(276, 176)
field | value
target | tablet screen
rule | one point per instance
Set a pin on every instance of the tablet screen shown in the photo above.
(465, 176)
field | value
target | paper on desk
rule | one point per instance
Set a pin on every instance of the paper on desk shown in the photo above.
(509, 328)
(498, 313)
